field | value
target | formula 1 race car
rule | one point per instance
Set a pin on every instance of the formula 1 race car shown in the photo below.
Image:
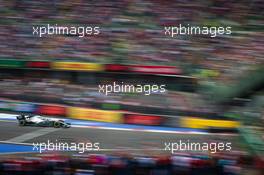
(37, 120)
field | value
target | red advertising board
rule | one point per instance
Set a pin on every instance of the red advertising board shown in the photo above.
(38, 64)
(142, 119)
(51, 110)
(116, 67)
(166, 70)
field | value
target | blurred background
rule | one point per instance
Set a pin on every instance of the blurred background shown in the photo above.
(207, 79)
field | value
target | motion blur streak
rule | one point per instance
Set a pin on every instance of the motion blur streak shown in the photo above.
(212, 79)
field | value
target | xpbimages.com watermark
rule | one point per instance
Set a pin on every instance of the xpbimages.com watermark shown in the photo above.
(80, 147)
(146, 89)
(186, 145)
(174, 31)
(80, 31)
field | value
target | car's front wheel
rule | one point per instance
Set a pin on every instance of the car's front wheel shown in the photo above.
(56, 124)
(22, 122)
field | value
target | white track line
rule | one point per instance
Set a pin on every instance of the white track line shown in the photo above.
(16, 143)
(34, 134)
(8, 121)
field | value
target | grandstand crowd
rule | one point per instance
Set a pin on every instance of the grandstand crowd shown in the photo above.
(47, 90)
(132, 32)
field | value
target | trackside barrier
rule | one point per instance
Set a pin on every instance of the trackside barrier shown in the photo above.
(94, 114)
(84, 66)
(38, 64)
(59, 110)
(140, 119)
(17, 106)
(199, 123)
(51, 110)
(12, 63)
(77, 66)
(117, 117)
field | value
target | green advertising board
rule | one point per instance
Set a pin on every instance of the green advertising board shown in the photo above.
(6, 63)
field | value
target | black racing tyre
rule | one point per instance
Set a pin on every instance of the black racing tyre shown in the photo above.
(56, 124)
(22, 122)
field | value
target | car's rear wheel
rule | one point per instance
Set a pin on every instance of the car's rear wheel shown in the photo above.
(22, 122)
(56, 124)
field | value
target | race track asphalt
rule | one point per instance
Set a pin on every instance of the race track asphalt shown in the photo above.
(109, 140)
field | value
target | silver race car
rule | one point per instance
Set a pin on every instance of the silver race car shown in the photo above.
(37, 120)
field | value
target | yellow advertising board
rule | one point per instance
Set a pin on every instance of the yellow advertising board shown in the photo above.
(78, 66)
(94, 114)
(199, 123)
